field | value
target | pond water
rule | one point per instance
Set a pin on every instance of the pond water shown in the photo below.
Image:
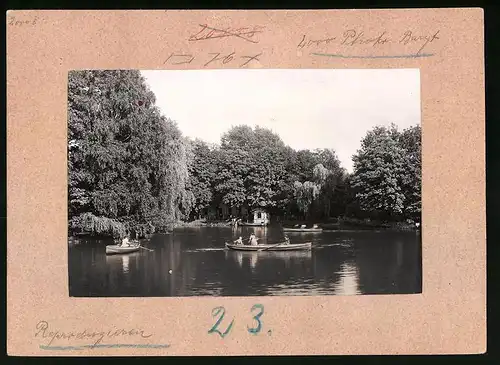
(194, 262)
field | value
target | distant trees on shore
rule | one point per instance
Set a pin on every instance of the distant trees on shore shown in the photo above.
(130, 168)
(253, 167)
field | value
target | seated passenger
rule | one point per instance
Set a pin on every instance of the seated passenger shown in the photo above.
(125, 242)
(252, 240)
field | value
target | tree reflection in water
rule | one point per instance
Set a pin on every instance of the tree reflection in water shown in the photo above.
(253, 257)
(194, 262)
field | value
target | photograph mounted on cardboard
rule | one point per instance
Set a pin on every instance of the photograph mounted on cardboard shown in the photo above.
(244, 182)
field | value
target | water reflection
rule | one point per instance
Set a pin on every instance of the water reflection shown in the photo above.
(122, 262)
(125, 261)
(348, 282)
(252, 258)
(195, 262)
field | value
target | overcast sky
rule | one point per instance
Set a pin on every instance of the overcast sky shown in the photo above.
(308, 108)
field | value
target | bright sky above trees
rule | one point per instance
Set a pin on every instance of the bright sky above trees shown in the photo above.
(324, 108)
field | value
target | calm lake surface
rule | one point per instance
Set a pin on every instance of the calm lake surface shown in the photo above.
(194, 262)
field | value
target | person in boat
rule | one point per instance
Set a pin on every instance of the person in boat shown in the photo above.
(287, 240)
(239, 241)
(315, 226)
(252, 240)
(125, 242)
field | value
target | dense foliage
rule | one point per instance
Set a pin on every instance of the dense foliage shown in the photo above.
(130, 168)
(254, 168)
(387, 173)
(128, 165)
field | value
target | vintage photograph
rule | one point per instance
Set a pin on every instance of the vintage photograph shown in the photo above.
(245, 182)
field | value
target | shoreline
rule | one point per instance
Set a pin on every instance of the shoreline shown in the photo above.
(326, 227)
(73, 238)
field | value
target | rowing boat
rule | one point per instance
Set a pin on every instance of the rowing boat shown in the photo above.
(251, 224)
(302, 229)
(117, 249)
(281, 246)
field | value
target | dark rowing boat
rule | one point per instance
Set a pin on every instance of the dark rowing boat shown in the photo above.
(282, 246)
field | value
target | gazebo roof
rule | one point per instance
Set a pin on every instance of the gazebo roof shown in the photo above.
(259, 210)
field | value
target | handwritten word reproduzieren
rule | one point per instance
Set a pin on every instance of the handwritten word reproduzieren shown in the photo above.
(97, 337)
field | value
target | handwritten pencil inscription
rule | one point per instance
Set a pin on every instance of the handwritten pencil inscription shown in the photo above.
(245, 33)
(18, 22)
(221, 58)
(342, 45)
(352, 38)
(179, 59)
(92, 338)
(409, 38)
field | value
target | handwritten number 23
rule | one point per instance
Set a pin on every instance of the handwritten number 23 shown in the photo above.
(221, 311)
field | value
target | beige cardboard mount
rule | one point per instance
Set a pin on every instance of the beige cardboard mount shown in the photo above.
(445, 44)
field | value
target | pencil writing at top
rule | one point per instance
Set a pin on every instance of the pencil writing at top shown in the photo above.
(206, 32)
(214, 57)
(345, 45)
(250, 58)
(409, 37)
(22, 22)
(179, 59)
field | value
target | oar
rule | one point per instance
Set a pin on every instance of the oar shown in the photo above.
(267, 248)
(144, 248)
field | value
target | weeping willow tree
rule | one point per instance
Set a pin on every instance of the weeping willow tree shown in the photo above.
(128, 164)
(305, 194)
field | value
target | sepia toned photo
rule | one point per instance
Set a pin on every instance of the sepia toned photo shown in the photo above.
(273, 182)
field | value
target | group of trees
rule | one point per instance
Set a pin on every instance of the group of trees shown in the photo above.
(130, 168)
(254, 168)
(387, 173)
(127, 164)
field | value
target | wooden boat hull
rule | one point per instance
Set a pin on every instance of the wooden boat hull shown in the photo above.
(271, 247)
(117, 249)
(316, 230)
(252, 224)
